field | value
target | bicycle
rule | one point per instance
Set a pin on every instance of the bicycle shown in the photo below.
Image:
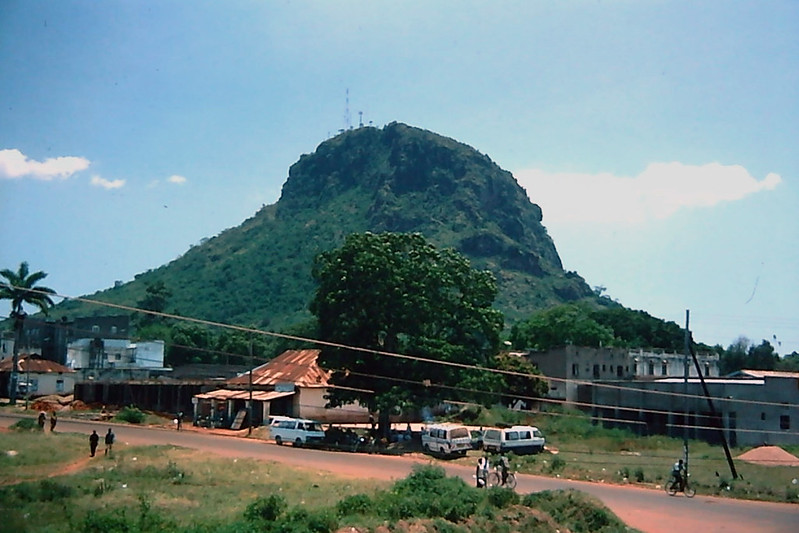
(673, 487)
(495, 479)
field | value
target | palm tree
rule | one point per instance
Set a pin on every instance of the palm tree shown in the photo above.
(20, 287)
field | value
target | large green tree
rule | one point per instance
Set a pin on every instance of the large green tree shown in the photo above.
(21, 287)
(397, 294)
(560, 325)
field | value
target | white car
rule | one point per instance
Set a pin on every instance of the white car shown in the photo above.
(298, 431)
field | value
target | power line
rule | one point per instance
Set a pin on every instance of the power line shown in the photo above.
(424, 359)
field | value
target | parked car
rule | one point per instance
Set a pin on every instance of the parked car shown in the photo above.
(517, 439)
(446, 439)
(298, 431)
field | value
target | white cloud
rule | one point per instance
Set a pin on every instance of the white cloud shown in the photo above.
(15, 164)
(176, 179)
(656, 193)
(97, 181)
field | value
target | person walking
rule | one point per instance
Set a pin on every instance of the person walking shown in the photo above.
(179, 419)
(94, 439)
(42, 417)
(109, 441)
(53, 421)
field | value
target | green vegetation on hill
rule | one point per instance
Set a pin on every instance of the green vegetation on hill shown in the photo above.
(394, 179)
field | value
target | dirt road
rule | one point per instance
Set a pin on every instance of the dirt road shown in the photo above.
(648, 510)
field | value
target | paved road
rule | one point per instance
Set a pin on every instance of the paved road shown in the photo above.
(651, 511)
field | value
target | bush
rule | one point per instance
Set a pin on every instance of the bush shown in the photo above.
(131, 415)
(575, 511)
(355, 504)
(639, 475)
(501, 497)
(25, 424)
(429, 493)
(557, 464)
(300, 520)
(267, 509)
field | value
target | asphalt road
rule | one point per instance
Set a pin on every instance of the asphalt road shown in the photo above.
(651, 511)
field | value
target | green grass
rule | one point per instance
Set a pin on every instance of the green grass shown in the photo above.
(591, 453)
(163, 488)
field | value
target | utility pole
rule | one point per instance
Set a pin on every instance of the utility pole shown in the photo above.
(249, 403)
(685, 391)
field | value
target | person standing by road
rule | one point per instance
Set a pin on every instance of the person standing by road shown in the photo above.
(109, 441)
(53, 421)
(94, 439)
(42, 417)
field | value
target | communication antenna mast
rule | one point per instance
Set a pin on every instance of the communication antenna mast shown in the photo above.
(360, 119)
(347, 121)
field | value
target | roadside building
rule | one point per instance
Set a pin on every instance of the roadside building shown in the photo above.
(753, 407)
(38, 377)
(566, 367)
(291, 384)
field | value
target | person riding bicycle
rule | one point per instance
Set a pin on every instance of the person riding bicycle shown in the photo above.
(481, 474)
(504, 468)
(677, 473)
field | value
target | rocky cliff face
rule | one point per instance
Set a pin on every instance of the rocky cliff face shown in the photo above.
(399, 179)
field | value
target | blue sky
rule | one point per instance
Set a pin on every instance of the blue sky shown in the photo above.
(659, 138)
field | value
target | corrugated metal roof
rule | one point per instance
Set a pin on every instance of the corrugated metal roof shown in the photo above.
(292, 366)
(26, 363)
(258, 396)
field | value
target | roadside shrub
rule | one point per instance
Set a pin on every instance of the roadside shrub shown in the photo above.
(267, 509)
(575, 511)
(131, 415)
(49, 491)
(355, 504)
(429, 493)
(300, 520)
(501, 497)
(25, 424)
(639, 475)
(557, 464)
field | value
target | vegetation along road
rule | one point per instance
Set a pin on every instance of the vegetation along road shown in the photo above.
(648, 510)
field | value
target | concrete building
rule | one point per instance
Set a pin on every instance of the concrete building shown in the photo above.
(38, 377)
(568, 366)
(115, 358)
(754, 408)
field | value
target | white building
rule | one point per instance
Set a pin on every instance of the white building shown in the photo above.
(93, 359)
(568, 366)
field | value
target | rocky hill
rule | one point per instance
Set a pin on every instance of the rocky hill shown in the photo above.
(396, 178)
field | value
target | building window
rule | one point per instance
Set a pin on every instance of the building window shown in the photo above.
(707, 369)
(651, 368)
(664, 369)
(575, 369)
(596, 371)
(762, 416)
(635, 368)
(59, 385)
(619, 371)
(785, 422)
(95, 329)
(603, 368)
(113, 330)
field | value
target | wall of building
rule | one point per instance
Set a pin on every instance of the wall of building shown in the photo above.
(752, 411)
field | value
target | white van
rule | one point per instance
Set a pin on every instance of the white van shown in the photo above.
(298, 431)
(446, 439)
(517, 439)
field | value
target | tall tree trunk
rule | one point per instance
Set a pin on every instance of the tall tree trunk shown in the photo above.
(13, 382)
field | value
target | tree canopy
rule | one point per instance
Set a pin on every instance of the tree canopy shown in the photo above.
(588, 325)
(395, 293)
(21, 287)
